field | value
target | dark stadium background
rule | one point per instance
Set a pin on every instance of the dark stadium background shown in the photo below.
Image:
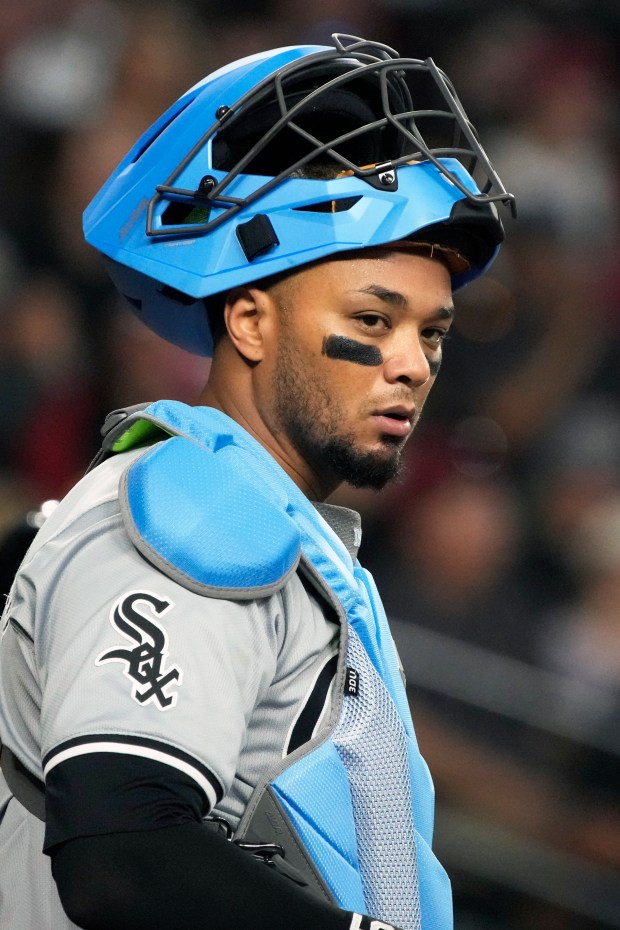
(499, 554)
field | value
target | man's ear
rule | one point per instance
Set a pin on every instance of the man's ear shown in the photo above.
(248, 315)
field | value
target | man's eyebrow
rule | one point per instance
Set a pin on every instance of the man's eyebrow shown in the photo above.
(399, 300)
(383, 293)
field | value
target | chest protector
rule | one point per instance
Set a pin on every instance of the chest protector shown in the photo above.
(354, 806)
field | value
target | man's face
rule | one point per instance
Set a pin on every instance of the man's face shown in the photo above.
(357, 348)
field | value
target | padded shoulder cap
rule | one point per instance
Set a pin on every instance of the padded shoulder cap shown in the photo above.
(204, 519)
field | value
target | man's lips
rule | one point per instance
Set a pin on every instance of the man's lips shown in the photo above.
(395, 421)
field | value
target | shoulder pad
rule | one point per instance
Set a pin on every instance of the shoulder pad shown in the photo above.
(205, 520)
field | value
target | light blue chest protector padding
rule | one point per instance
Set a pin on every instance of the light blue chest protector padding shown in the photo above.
(214, 510)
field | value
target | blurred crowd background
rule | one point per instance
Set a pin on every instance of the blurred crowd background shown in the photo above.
(498, 555)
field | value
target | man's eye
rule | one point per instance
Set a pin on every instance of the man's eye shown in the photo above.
(436, 336)
(373, 321)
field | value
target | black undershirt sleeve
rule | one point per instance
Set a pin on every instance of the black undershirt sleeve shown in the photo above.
(107, 792)
(130, 850)
(181, 878)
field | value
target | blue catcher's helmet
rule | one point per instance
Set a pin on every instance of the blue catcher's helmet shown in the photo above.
(286, 157)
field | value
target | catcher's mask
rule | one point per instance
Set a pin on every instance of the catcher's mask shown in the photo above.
(287, 157)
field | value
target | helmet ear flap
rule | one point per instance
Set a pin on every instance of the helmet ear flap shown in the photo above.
(172, 314)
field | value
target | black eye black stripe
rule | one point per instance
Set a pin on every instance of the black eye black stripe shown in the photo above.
(350, 350)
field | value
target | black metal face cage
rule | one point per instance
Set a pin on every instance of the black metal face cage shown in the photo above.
(352, 58)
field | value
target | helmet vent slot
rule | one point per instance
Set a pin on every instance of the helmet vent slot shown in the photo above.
(330, 206)
(179, 214)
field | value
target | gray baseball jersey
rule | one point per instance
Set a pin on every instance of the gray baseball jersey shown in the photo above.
(101, 652)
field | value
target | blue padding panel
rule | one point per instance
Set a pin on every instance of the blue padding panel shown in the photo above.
(435, 889)
(324, 820)
(201, 513)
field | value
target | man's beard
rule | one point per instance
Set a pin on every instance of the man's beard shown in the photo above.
(310, 420)
(361, 469)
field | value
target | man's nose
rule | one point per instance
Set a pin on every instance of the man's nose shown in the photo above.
(408, 365)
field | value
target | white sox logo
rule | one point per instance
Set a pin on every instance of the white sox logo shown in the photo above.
(144, 664)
